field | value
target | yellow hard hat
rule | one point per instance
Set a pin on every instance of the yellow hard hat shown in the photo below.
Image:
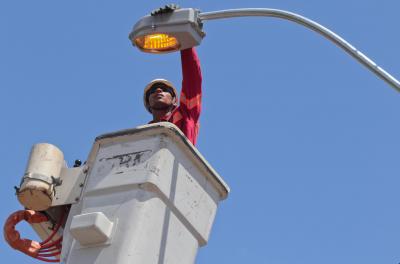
(150, 85)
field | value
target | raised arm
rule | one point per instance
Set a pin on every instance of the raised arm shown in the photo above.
(190, 100)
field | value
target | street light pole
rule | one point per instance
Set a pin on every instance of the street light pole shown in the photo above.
(189, 33)
(355, 53)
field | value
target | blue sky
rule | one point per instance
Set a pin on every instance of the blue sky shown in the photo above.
(306, 137)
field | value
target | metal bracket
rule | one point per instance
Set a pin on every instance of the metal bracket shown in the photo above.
(73, 181)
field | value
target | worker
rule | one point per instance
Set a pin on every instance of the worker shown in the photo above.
(160, 97)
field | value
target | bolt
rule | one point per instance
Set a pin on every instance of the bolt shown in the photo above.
(76, 199)
(78, 163)
(81, 185)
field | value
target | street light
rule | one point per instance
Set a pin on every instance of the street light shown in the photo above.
(182, 29)
(168, 32)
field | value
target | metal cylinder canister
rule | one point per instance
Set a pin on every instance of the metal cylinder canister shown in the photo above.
(41, 175)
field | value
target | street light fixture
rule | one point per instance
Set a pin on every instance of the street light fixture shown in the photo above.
(168, 32)
(182, 29)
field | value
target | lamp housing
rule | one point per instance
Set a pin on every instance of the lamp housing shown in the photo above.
(168, 32)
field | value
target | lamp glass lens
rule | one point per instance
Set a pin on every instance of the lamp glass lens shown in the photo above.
(157, 43)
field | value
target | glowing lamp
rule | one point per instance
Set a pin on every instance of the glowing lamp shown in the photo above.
(157, 43)
(168, 32)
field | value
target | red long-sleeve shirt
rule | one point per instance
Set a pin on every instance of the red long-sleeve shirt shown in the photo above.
(186, 115)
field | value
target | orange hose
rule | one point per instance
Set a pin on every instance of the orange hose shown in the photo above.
(13, 237)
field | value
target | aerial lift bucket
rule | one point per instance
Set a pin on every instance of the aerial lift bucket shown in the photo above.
(150, 197)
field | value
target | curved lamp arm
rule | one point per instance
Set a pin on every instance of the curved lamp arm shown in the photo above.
(358, 55)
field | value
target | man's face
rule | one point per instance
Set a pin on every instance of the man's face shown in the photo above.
(160, 97)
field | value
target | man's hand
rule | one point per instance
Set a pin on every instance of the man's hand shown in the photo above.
(164, 10)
